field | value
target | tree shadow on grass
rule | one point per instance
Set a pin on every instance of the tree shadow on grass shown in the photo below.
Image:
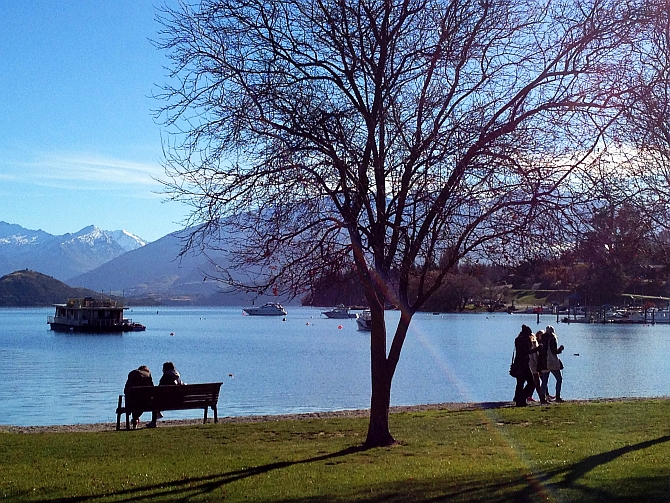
(523, 487)
(517, 487)
(571, 475)
(578, 470)
(190, 487)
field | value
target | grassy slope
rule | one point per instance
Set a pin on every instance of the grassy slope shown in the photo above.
(530, 298)
(611, 452)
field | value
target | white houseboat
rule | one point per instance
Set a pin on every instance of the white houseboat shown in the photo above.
(92, 315)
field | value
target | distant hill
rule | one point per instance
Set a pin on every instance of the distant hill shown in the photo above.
(33, 289)
(64, 256)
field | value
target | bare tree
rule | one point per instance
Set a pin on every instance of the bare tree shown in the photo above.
(637, 149)
(397, 135)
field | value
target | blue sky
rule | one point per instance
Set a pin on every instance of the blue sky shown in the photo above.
(78, 141)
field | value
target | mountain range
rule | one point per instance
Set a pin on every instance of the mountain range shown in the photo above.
(119, 263)
(64, 256)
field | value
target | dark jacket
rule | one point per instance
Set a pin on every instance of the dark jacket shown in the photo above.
(138, 377)
(523, 348)
(170, 378)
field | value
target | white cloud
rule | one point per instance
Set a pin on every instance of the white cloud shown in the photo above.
(83, 172)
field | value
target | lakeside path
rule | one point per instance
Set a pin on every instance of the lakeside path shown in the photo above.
(452, 406)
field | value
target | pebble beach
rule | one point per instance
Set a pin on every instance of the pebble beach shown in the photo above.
(451, 406)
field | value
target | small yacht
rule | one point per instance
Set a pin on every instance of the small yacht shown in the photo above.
(364, 321)
(269, 309)
(339, 312)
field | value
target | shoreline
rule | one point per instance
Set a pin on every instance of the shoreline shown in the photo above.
(352, 413)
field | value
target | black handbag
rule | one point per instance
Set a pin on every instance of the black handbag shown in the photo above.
(513, 371)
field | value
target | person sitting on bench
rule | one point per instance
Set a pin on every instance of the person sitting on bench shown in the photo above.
(170, 375)
(141, 376)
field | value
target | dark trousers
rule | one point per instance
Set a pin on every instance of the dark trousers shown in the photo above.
(524, 387)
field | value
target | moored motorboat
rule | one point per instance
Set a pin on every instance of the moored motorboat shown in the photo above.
(339, 312)
(92, 316)
(364, 321)
(268, 309)
(134, 327)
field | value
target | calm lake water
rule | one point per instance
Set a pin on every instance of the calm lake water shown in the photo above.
(306, 363)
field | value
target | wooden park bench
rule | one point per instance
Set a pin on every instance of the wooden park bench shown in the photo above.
(160, 398)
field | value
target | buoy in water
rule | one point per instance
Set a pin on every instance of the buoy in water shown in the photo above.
(339, 327)
(172, 334)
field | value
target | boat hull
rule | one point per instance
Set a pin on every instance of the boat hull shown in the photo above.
(363, 325)
(339, 316)
(63, 327)
(256, 313)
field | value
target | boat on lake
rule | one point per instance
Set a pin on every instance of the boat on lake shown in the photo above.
(340, 312)
(364, 321)
(268, 309)
(620, 315)
(92, 316)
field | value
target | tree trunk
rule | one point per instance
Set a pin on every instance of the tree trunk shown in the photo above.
(378, 428)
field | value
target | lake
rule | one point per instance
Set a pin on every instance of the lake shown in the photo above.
(306, 363)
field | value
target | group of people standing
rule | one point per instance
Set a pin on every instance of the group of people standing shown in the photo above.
(141, 376)
(536, 356)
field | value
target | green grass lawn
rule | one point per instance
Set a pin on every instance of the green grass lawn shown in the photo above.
(609, 452)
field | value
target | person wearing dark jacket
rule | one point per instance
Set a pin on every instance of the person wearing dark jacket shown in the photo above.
(170, 375)
(535, 362)
(524, 377)
(141, 376)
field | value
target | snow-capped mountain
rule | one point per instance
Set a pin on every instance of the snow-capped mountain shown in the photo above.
(127, 240)
(64, 256)
(12, 234)
(157, 271)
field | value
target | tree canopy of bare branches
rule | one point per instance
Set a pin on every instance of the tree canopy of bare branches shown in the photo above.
(395, 135)
(639, 146)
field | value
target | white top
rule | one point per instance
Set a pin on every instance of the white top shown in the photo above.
(532, 357)
(552, 360)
